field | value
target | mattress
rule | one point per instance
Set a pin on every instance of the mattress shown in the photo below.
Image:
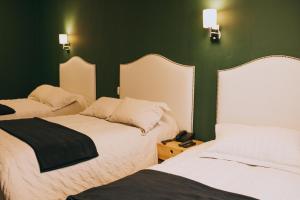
(254, 181)
(122, 149)
(28, 108)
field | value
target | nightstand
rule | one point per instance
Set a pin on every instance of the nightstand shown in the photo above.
(171, 149)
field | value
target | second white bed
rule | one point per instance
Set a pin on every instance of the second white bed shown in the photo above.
(122, 150)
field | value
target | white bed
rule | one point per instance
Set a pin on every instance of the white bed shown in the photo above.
(264, 92)
(258, 182)
(122, 149)
(76, 76)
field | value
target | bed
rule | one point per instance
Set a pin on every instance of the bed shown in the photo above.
(122, 149)
(77, 77)
(256, 153)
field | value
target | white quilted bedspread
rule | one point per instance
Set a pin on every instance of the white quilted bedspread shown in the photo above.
(122, 151)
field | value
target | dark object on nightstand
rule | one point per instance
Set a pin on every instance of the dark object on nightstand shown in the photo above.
(184, 136)
(187, 144)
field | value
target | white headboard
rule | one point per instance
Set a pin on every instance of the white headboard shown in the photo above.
(154, 77)
(78, 76)
(265, 91)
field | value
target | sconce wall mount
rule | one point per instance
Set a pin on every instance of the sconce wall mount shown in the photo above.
(210, 18)
(64, 41)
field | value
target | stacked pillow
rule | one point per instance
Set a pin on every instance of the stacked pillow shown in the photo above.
(139, 113)
(55, 97)
(102, 108)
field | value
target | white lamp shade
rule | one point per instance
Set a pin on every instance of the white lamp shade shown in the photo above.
(63, 39)
(209, 18)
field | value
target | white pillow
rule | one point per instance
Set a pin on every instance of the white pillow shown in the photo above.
(41, 93)
(139, 113)
(55, 97)
(275, 145)
(60, 98)
(102, 108)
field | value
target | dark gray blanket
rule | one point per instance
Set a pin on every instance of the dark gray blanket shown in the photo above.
(6, 110)
(55, 146)
(155, 185)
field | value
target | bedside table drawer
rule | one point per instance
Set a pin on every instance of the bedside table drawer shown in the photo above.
(165, 152)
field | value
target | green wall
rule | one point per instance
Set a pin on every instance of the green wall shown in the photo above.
(110, 32)
(20, 63)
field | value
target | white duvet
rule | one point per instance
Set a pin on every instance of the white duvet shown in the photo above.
(27, 108)
(258, 182)
(122, 151)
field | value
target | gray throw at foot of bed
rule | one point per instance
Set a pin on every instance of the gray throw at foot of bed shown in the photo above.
(155, 185)
(55, 146)
(5, 110)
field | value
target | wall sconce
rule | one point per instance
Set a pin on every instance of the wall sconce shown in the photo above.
(64, 41)
(210, 17)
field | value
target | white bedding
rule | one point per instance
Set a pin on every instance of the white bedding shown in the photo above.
(122, 150)
(258, 182)
(27, 108)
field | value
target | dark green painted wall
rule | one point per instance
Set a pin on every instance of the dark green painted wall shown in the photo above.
(110, 32)
(20, 63)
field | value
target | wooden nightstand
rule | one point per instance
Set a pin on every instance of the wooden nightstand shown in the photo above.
(171, 149)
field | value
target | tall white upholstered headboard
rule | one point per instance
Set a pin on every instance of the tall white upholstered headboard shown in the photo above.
(156, 78)
(265, 91)
(78, 76)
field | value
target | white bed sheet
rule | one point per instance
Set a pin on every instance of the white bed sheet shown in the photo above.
(27, 108)
(258, 182)
(122, 150)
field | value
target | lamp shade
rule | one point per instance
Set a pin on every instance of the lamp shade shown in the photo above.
(209, 18)
(63, 39)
